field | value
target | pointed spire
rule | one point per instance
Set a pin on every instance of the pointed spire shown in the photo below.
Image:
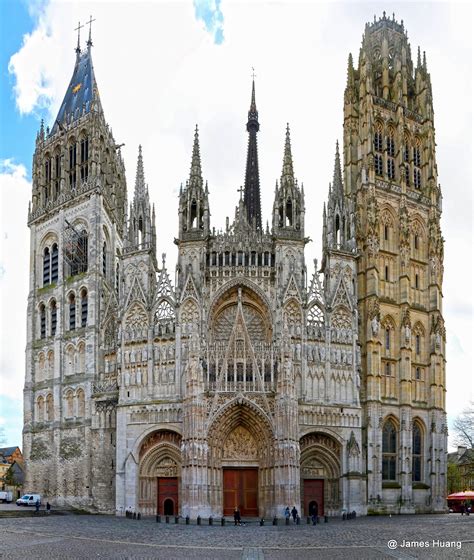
(89, 41)
(424, 61)
(418, 58)
(252, 178)
(287, 174)
(337, 177)
(140, 176)
(350, 71)
(195, 176)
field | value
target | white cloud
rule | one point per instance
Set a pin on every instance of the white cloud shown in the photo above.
(159, 72)
(15, 192)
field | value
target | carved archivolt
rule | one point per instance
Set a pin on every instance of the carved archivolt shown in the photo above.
(160, 455)
(136, 317)
(240, 446)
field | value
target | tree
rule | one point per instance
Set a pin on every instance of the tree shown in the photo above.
(464, 427)
(454, 479)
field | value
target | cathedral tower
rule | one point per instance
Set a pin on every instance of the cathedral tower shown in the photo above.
(391, 179)
(76, 219)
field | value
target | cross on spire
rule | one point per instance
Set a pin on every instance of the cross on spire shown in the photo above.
(253, 73)
(89, 42)
(78, 29)
(240, 190)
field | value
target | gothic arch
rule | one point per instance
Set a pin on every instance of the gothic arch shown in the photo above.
(143, 437)
(244, 283)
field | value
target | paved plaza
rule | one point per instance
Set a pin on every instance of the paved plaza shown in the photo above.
(93, 536)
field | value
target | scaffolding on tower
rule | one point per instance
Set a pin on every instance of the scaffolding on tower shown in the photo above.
(75, 249)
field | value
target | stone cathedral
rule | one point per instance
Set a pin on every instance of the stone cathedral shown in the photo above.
(251, 379)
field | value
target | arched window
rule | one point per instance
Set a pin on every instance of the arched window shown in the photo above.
(117, 279)
(81, 358)
(72, 312)
(84, 158)
(389, 451)
(72, 165)
(41, 367)
(50, 364)
(54, 263)
(390, 155)
(417, 282)
(70, 356)
(42, 321)
(57, 181)
(417, 165)
(387, 369)
(385, 232)
(338, 231)
(193, 220)
(46, 267)
(418, 344)
(49, 408)
(378, 148)
(387, 275)
(54, 317)
(81, 403)
(289, 213)
(104, 259)
(76, 252)
(387, 338)
(69, 402)
(84, 306)
(40, 409)
(417, 373)
(417, 453)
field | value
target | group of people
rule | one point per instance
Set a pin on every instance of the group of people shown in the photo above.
(293, 513)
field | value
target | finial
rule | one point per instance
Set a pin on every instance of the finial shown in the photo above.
(89, 41)
(424, 60)
(240, 190)
(418, 59)
(393, 16)
(78, 29)
(384, 15)
(163, 259)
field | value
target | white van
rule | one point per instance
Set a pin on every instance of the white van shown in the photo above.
(28, 500)
(6, 496)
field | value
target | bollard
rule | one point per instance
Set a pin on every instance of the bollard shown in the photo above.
(176, 519)
(187, 519)
(298, 520)
(222, 521)
(210, 520)
(158, 518)
(344, 517)
(139, 516)
(354, 514)
(308, 521)
(317, 519)
(262, 522)
(167, 519)
(198, 520)
(287, 521)
(275, 521)
(134, 515)
(326, 519)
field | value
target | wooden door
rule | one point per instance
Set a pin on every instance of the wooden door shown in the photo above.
(167, 492)
(241, 490)
(313, 493)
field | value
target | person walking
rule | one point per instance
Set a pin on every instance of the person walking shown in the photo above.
(48, 508)
(37, 506)
(294, 513)
(287, 512)
(237, 518)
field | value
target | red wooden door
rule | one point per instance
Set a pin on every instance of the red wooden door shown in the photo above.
(241, 490)
(167, 492)
(313, 492)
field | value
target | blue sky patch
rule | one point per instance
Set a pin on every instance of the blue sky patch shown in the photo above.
(209, 12)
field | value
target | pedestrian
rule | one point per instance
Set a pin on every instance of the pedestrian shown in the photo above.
(287, 512)
(48, 508)
(463, 507)
(294, 513)
(237, 516)
(37, 506)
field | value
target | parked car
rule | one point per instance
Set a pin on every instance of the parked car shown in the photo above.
(6, 496)
(28, 500)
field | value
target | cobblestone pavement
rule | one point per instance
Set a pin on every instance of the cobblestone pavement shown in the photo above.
(93, 536)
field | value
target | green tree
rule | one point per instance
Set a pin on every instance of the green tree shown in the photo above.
(454, 478)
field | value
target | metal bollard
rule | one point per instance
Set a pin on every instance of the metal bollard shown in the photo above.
(167, 519)
(275, 521)
(134, 515)
(354, 514)
(176, 519)
(139, 516)
(222, 521)
(262, 522)
(344, 517)
(158, 518)
(198, 520)
(210, 520)
(187, 519)
(326, 519)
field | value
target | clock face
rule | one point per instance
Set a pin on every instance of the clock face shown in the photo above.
(254, 323)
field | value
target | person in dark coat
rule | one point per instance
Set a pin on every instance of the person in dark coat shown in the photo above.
(237, 516)
(294, 514)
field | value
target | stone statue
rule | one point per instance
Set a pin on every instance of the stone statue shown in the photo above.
(375, 326)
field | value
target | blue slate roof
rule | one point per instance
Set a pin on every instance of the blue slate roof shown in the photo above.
(81, 92)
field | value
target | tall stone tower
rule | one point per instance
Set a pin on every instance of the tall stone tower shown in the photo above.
(76, 218)
(390, 177)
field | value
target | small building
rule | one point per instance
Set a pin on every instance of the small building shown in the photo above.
(463, 459)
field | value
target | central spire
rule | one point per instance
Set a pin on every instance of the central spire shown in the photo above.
(252, 179)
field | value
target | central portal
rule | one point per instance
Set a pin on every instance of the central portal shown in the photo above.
(241, 490)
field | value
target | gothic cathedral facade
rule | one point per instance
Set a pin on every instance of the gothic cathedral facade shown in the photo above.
(249, 381)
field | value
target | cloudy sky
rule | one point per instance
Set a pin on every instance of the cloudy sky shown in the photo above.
(163, 67)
